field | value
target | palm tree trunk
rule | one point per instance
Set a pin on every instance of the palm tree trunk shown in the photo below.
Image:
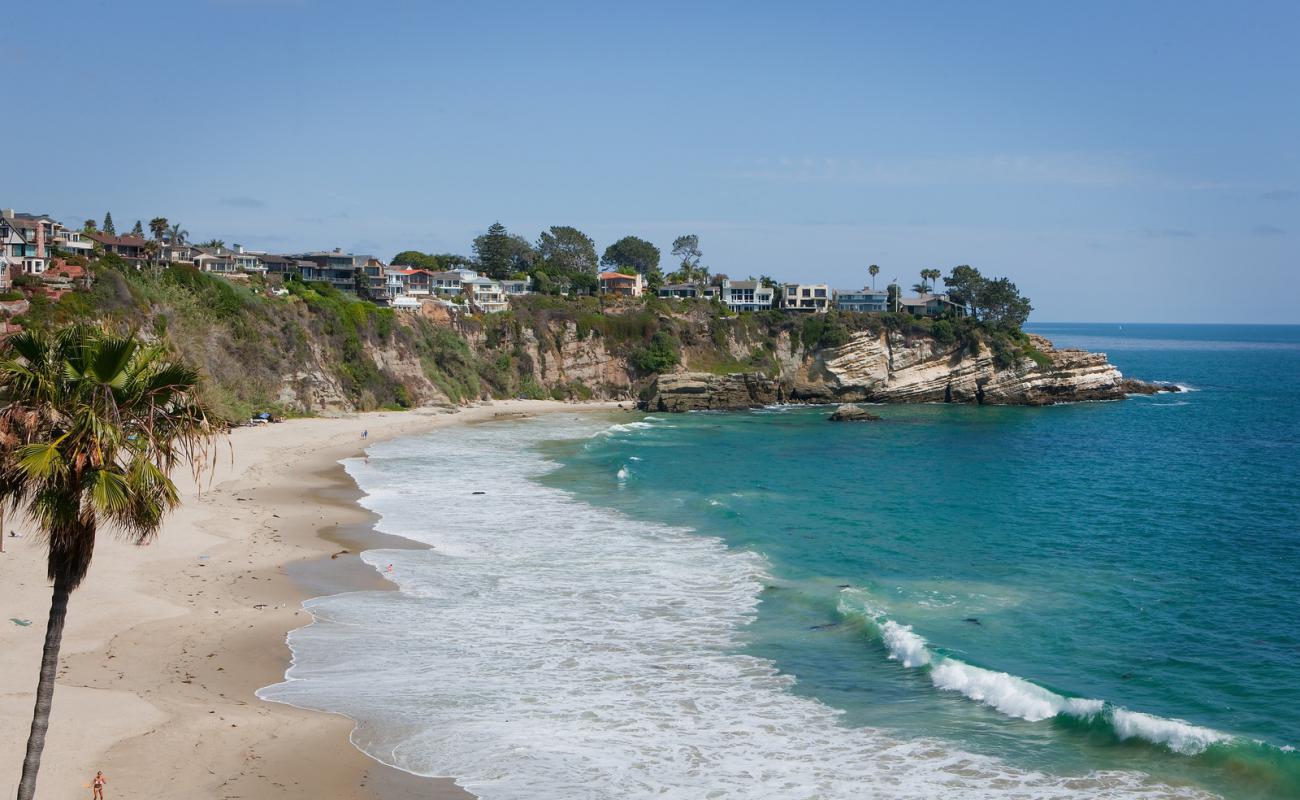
(44, 690)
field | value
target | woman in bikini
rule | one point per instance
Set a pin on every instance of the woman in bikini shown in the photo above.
(98, 785)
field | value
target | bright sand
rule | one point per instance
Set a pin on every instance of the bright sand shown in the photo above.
(166, 644)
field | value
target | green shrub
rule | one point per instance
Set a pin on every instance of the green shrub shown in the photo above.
(660, 353)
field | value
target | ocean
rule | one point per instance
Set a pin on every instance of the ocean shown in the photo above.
(1088, 600)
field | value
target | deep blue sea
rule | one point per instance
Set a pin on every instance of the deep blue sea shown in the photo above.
(1089, 600)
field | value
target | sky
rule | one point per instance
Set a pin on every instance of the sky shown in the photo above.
(1119, 161)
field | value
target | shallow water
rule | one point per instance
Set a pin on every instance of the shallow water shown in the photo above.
(1083, 600)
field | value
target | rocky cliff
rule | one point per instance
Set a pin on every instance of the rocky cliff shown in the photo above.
(305, 348)
(889, 367)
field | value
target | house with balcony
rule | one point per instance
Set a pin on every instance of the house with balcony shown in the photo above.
(450, 282)
(514, 288)
(129, 248)
(72, 243)
(621, 285)
(248, 261)
(215, 260)
(484, 294)
(25, 240)
(863, 301)
(334, 267)
(748, 295)
(279, 265)
(807, 297)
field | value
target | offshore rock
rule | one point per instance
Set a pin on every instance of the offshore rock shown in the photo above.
(852, 413)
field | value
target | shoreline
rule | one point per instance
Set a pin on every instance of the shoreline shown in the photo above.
(166, 644)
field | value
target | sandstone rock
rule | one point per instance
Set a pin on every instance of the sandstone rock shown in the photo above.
(702, 391)
(889, 367)
(852, 413)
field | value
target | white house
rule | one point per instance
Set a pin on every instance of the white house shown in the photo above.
(485, 294)
(746, 295)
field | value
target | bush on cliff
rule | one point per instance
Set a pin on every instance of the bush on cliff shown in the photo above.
(660, 353)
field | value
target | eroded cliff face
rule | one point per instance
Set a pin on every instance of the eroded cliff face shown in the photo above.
(891, 368)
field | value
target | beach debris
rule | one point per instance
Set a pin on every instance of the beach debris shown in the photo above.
(22, 623)
(339, 553)
(973, 620)
(260, 606)
(478, 492)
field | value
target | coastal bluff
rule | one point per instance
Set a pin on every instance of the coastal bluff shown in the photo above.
(888, 367)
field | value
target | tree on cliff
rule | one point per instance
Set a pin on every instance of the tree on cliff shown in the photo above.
(994, 301)
(138, 230)
(565, 249)
(502, 254)
(686, 249)
(873, 271)
(414, 258)
(91, 426)
(108, 227)
(631, 252)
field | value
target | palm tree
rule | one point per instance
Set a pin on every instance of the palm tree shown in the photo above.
(177, 235)
(91, 425)
(934, 275)
(873, 270)
(151, 250)
(158, 227)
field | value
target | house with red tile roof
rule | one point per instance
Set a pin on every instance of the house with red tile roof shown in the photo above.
(617, 283)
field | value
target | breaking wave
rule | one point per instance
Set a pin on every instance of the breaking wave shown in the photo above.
(1017, 697)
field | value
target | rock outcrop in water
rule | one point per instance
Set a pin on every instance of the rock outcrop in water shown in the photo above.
(892, 368)
(850, 412)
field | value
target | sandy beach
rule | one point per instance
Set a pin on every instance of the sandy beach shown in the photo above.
(166, 644)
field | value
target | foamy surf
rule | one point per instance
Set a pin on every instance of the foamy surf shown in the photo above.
(1016, 697)
(548, 649)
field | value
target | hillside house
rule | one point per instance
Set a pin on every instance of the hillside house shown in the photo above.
(748, 295)
(808, 297)
(621, 285)
(931, 305)
(862, 300)
(129, 248)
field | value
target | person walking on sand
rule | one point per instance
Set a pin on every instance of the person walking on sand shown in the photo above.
(365, 434)
(98, 786)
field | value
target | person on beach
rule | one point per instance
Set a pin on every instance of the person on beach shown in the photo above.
(365, 434)
(97, 785)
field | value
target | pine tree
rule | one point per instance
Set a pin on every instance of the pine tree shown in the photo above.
(138, 230)
(108, 224)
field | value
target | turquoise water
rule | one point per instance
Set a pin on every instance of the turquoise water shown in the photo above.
(1071, 589)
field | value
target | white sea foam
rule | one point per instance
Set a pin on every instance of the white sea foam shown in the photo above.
(904, 645)
(1009, 694)
(1177, 735)
(547, 649)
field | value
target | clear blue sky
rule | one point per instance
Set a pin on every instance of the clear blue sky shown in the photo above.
(1119, 161)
